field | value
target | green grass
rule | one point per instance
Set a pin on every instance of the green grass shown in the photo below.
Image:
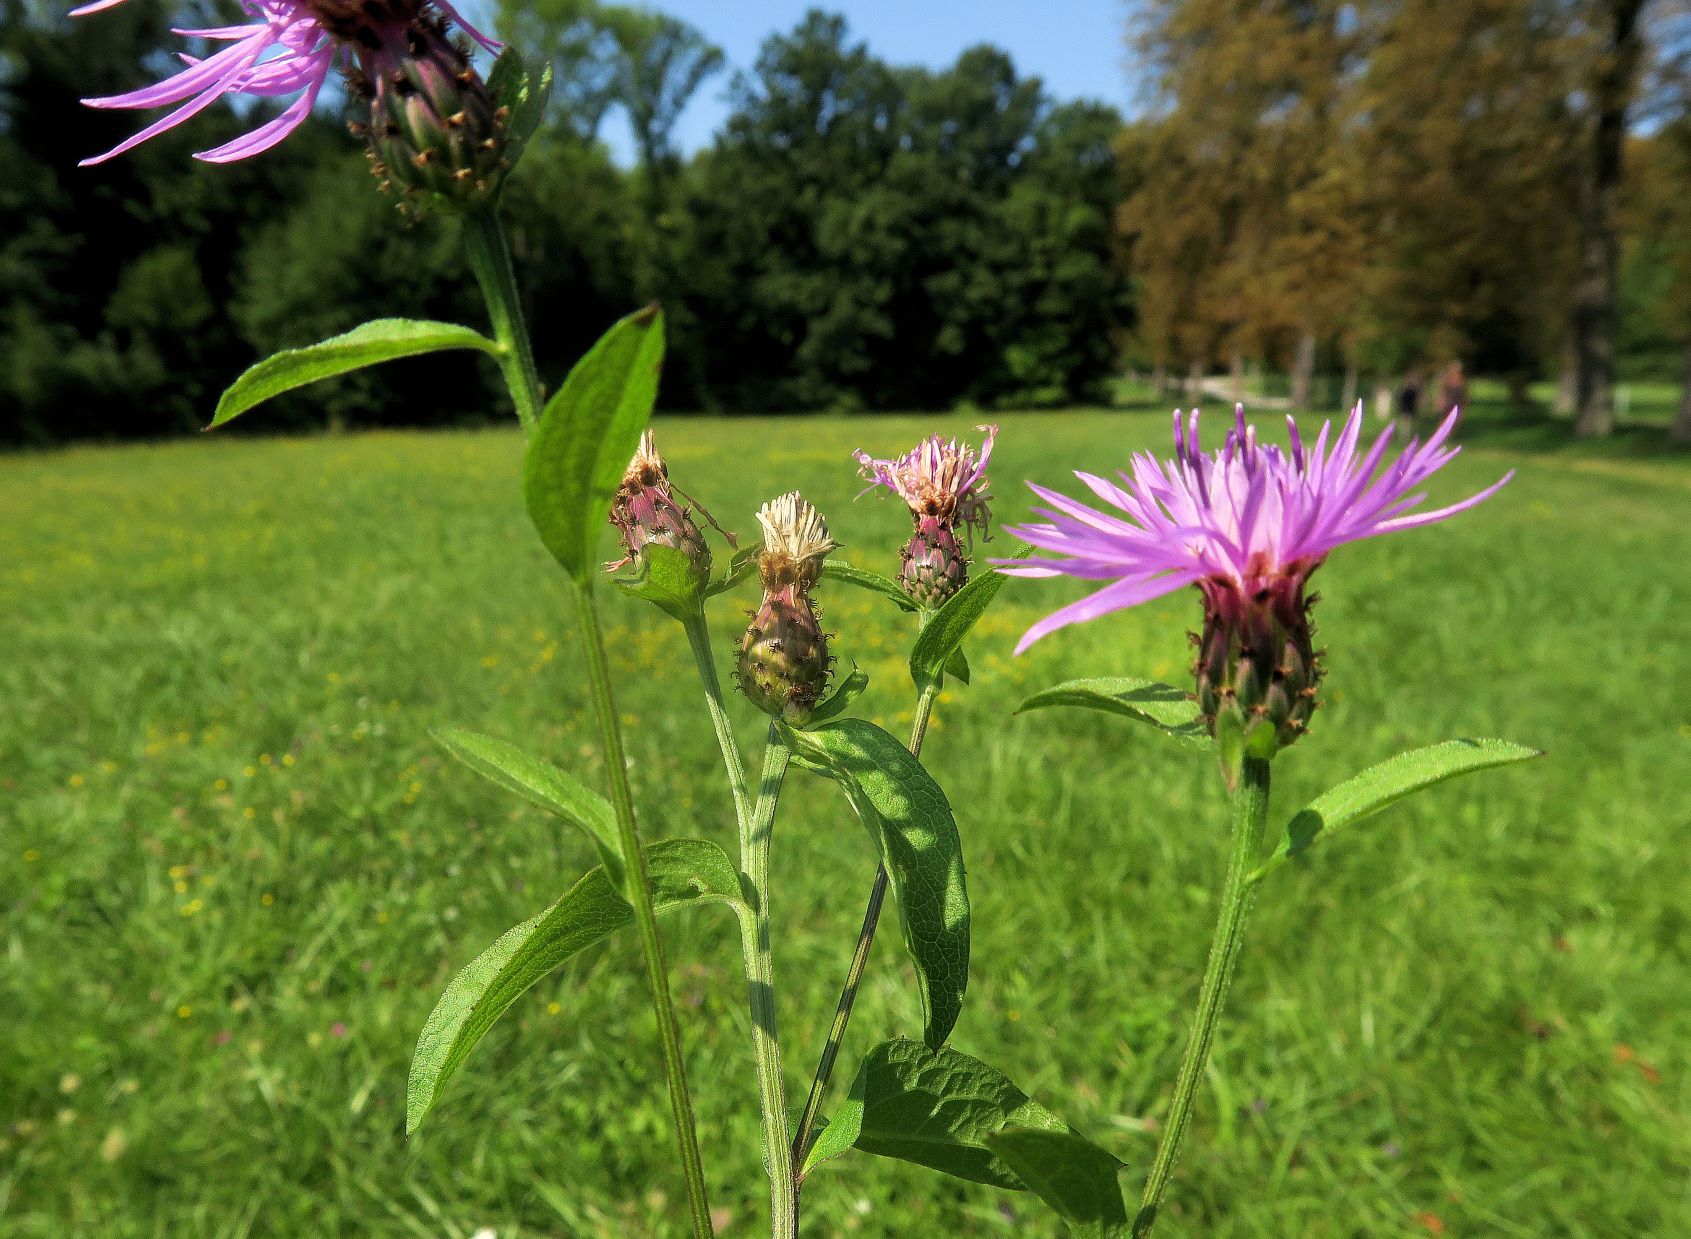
(235, 873)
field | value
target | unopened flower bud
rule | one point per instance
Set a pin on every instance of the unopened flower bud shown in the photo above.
(784, 664)
(1257, 669)
(434, 128)
(646, 513)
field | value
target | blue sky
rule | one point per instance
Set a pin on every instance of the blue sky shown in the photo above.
(1077, 46)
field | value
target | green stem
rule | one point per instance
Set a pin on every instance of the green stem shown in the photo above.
(698, 636)
(638, 891)
(760, 983)
(1250, 813)
(854, 974)
(490, 259)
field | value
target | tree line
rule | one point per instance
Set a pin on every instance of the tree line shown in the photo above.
(1394, 185)
(1354, 189)
(858, 236)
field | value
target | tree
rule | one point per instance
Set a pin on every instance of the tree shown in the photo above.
(1613, 85)
(662, 62)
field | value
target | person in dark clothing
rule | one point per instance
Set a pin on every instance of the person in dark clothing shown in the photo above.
(1408, 403)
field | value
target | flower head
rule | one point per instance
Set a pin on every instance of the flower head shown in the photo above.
(645, 512)
(288, 47)
(783, 663)
(795, 542)
(945, 485)
(1240, 518)
(940, 478)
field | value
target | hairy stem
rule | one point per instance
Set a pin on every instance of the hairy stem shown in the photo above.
(1250, 813)
(760, 984)
(490, 259)
(854, 974)
(638, 891)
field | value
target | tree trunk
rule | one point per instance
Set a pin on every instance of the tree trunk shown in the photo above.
(1195, 384)
(1599, 248)
(1567, 380)
(1159, 380)
(1681, 432)
(1303, 372)
(1347, 397)
(1238, 374)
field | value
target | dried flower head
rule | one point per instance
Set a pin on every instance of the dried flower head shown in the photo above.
(795, 542)
(646, 512)
(1248, 524)
(783, 661)
(289, 47)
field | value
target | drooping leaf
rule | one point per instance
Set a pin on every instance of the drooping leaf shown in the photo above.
(874, 582)
(540, 783)
(943, 634)
(909, 818)
(684, 872)
(1161, 706)
(849, 690)
(385, 339)
(957, 666)
(1387, 783)
(665, 578)
(942, 1109)
(586, 437)
(1071, 1174)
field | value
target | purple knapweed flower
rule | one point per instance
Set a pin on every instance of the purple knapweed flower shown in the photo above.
(289, 47)
(1248, 524)
(944, 484)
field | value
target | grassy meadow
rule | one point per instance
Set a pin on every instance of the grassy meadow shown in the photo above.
(235, 872)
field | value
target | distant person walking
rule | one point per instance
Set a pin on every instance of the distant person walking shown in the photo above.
(1453, 389)
(1408, 403)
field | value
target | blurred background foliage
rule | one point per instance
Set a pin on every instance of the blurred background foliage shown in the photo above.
(1310, 189)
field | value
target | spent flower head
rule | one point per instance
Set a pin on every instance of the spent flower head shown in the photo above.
(646, 512)
(783, 661)
(1248, 524)
(944, 484)
(289, 47)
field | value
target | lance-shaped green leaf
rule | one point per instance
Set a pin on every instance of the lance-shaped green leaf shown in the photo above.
(1161, 706)
(587, 435)
(942, 636)
(385, 339)
(540, 783)
(874, 582)
(850, 689)
(742, 566)
(665, 577)
(1385, 784)
(684, 872)
(910, 820)
(1071, 1174)
(944, 1110)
